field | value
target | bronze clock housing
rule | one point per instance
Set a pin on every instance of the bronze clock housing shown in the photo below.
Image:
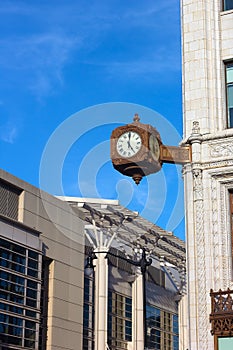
(135, 149)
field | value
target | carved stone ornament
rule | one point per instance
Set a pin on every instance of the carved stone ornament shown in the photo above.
(196, 127)
(221, 150)
(197, 184)
(215, 230)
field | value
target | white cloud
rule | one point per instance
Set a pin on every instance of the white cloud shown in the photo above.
(39, 58)
(48, 38)
(8, 133)
(147, 67)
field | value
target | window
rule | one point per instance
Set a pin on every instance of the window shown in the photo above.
(88, 314)
(162, 329)
(229, 87)
(119, 320)
(227, 5)
(19, 296)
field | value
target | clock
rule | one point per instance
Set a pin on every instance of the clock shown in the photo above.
(154, 147)
(129, 144)
(135, 149)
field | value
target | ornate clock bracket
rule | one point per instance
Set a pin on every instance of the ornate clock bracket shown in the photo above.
(175, 154)
(137, 150)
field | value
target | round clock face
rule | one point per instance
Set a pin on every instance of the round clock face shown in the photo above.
(154, 147)
(129, 144)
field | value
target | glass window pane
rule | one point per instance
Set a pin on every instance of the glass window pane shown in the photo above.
(29, 344)
(33, 255)
(31, 293)
(33, 273)
(229, 74)
(230, 96)
(30, 324)
(175, 324)
(31, 284)
(225, 343)
(11, 340)
(31, 313)
(18, 249)
(33, 264)
(229, 81)
(175, 342)
(31, 302)
(228, 5)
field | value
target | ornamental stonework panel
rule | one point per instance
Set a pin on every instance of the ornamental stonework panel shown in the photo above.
(217, 150)
(222, 150)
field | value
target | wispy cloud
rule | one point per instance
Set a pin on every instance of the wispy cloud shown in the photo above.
(8, 133)
(47, 39)
(40, 58)
(148, 67)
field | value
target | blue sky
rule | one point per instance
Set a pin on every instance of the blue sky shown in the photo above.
(60, 58)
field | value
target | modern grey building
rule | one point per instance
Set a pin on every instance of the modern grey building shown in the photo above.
(48, 301)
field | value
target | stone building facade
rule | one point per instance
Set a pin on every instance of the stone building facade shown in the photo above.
(207, 53)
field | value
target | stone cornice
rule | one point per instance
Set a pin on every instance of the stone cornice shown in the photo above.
(208, 137)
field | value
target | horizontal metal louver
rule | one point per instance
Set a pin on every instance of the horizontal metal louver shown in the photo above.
(9, 200)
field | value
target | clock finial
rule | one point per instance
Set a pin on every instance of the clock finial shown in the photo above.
(136, 118)
(137, 178)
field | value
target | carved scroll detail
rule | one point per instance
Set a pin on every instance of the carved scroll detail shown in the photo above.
(215, 231)
(197, 184)
(201, 267)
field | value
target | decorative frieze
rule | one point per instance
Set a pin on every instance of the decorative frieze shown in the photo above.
(217, 164)
(221, 150)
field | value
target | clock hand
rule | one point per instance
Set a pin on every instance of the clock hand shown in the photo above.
(128, 142)
(132, 148)
(129, 146)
